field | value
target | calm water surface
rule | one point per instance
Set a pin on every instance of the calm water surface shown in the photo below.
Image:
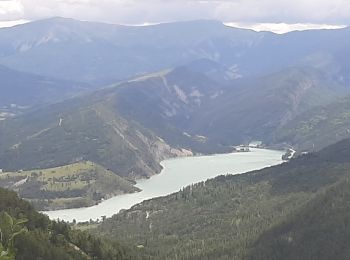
(177, 173)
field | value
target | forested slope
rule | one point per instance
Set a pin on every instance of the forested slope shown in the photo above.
(318, 127)
(319, 230)
(226, 217)
(29, 235)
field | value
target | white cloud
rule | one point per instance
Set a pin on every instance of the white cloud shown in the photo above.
(10, 8)
(154, 11)
(12, 23)
(281, 28)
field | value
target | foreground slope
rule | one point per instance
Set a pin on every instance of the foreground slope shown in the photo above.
(226, 217)
(28, 235)
(319, 230)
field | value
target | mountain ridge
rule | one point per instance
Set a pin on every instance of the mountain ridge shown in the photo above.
(28, 91)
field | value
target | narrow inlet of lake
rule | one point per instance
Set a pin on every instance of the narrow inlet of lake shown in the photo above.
(176, 174)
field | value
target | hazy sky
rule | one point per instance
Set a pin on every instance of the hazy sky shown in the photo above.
(154, 11)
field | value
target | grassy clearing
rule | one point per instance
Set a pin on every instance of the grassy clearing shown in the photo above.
(75, 185)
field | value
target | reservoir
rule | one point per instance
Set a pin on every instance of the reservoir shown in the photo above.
(176, 174)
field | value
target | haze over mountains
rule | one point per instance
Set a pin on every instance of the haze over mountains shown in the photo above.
(88, 108)
(102, 53)
(29, 90)
(106, 53)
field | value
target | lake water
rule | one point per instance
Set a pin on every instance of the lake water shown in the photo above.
(176, 174)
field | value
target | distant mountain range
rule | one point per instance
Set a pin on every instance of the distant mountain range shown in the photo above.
(102, 53)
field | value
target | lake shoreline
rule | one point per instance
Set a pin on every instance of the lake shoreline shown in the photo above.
(177, 173)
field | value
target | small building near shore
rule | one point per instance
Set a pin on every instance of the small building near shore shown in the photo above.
(241, 148)
(256, 144)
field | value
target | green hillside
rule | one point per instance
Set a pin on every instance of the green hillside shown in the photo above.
(184, 105)
(71, 186)
(228, 217)
(319, 127)
(82, 129)
(253, 109)
(319, 230)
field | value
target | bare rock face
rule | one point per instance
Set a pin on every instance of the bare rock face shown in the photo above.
(162, 151)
